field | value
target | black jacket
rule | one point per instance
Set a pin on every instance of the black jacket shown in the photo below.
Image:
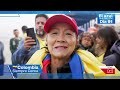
(114, 58)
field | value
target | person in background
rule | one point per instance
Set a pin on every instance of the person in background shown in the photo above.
(105, 38)
(114, 58)
(24, 27)
(27, 46)
(2, 58)
(86, 40)
(97, 26)
(14, 42)
(92, 30)
(119, 34)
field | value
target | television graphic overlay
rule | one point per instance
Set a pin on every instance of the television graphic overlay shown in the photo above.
(10, 20)
(25, 69)
(106, 19)
(108, 69)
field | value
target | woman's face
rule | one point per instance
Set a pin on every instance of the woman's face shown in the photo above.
(100, 41)
(86, 42)
(61, 40)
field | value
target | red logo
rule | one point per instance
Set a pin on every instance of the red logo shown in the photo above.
(108, 69)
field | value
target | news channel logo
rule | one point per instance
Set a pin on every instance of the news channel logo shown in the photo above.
(106, 19)
(25, 69)
(108, 69)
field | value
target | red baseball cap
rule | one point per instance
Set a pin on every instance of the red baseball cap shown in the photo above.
(60, 18)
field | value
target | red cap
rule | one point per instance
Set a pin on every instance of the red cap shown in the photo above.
(60, 18)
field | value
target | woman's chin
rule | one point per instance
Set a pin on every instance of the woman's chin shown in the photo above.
(60, 55)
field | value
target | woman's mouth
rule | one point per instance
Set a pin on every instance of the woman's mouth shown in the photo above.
(61, 48)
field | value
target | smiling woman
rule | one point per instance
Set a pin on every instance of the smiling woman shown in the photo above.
(61, 40)
(60, 59)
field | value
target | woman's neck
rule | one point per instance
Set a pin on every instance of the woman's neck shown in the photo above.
(56, 63)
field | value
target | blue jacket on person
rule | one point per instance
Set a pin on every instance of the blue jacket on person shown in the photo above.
(2, 59)
(21, 56)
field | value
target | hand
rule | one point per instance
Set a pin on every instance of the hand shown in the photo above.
(29, 42)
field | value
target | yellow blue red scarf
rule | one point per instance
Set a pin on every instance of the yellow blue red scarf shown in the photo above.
(75, 63)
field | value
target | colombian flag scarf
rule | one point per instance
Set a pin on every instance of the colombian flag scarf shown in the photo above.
(75, 63)
(90, 62)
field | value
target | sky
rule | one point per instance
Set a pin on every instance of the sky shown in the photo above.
(9, 22)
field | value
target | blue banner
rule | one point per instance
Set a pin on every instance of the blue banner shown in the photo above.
(106, 19)
(12, 71)
(25, 68)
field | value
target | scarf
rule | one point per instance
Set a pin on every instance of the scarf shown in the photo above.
(75, 63)
(90, 62)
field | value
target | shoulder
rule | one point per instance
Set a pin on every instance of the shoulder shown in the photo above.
(20, 38)
(11, 39)
(1, 43)
(38, 57)
(111, 59)
(117, 56)
(34, 58)
(88, 57)
(21, 41)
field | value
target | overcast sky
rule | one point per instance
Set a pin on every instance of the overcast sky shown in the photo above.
(9, 22)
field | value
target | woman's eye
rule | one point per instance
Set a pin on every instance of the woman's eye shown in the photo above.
(54, 33)
(68, 34)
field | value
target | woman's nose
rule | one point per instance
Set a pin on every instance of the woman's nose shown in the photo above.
(61, 38)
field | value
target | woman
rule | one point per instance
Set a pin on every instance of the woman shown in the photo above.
(86, 40)
(61, 60)
(61, 41)
(105, 38)
(114, 58)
